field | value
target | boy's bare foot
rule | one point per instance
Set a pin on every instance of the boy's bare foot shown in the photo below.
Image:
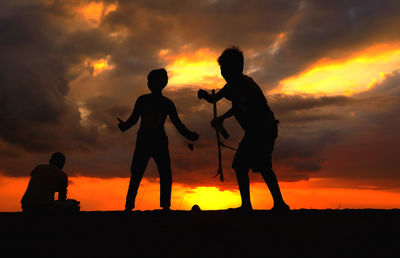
(127, 210)
(166, 209)
(281, 209)
(244, 209)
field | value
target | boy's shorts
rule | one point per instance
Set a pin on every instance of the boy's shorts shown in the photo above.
(254, 153)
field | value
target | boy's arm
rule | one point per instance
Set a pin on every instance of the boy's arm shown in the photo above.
(62, 192)
(133, 119)
(227, 114)
(218, 123)
(202, 94)
(182, 129)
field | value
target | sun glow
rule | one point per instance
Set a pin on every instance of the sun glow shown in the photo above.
(195, 68)
(98, 66)
(94, 11)
(356, 74)
(210, 198)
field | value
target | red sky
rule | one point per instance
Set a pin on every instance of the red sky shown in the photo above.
(329, 70)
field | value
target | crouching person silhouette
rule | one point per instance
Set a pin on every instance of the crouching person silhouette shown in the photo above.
(46, 180)
(251, 110)
(152, 140)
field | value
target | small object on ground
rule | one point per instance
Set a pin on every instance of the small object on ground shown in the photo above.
(195, 208)
(191, 146)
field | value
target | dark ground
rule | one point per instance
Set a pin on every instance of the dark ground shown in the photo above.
(303, 233)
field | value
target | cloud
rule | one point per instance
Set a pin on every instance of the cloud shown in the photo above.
(389, 87)
(34, 82)
(332, 30)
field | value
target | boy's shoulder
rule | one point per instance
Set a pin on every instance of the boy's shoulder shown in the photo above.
(244, 85)
(150, 98)
(167, 99)
(249, 81)
(143, 97)
(45, 169)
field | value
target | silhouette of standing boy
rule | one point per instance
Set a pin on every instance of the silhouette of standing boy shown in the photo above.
(251, 110)
(152, 141)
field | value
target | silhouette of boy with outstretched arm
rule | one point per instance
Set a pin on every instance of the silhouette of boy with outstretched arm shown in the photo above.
(251, 110)
(152, 141)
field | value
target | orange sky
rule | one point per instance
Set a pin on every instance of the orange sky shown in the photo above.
(109, 194)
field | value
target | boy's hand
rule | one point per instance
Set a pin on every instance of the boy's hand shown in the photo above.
(202, 94)
(218, 124)
(194, 136)
(121, 125)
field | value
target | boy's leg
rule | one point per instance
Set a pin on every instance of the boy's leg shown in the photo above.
(269, 175)
(38, 209)
(67, 207)
(242, 176)
(279, 204)
(139, 164)
(241, 166)
(163, 163)
(272, 183)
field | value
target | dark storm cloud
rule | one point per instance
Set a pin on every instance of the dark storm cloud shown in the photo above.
(104, 111)
(327, 132)
(34, 113)
(204, 23)
(286, 103)
(365, 143)
(40, 48)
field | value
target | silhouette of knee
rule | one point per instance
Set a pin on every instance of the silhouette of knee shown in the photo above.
(269, 173)
(166, 179)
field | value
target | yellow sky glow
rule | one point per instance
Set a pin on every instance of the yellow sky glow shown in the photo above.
(196, 68)
(209, 198)
(326, 77)
(356, 74)
(99, 65)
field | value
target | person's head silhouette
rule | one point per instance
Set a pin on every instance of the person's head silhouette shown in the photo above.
(57, 159)
(157, 80)
(231, 63)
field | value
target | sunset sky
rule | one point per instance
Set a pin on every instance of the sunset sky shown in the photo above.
(329, 69)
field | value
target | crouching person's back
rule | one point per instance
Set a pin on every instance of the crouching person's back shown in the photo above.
(46, 180)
